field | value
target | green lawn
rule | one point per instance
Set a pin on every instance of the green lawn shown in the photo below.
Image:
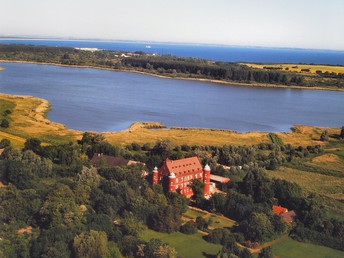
(217, 221)
(187, 246)
(290, 248)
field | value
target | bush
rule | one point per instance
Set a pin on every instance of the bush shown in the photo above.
(5, 143)
(5, 123)
(189, 228)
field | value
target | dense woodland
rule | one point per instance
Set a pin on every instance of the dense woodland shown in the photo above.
(170, 66)
(76, 210)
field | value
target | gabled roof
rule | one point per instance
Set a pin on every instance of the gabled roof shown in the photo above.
(219, 179)
(108, 161)
(288, 217)
(181, 166)
(279, 209)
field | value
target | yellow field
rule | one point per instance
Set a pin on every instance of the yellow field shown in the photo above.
(298, 67)
(28, 120)
(322, 184)
(15, 140)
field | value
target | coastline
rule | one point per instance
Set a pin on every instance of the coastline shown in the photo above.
(29, 121)
(177, 78)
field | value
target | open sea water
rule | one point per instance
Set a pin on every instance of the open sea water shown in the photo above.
(212, 52)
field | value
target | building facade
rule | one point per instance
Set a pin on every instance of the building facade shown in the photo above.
(180, 174)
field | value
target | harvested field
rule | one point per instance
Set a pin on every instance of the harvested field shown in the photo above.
(326, 158)
(322, 184)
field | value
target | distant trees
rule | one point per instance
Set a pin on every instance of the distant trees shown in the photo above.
(324, 136)
(342, 133)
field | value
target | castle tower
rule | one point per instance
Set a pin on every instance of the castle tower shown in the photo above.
(155, 176)
(206, 179)
(172, 182)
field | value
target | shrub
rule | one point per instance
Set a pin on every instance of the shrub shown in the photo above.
(189, 228)
(5, 123)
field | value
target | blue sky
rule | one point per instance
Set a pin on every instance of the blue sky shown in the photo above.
(288, 23)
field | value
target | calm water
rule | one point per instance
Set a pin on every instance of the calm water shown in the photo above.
(98, 100)
(220, 53)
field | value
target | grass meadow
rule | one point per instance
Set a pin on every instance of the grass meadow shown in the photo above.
(298, 67)
(290, 248)
(187, 246)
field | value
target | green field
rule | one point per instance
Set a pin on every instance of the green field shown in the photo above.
(290, 248)
(187, 246)
(217, 221)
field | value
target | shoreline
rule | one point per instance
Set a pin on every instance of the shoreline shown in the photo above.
(30, 121)
(177, 78)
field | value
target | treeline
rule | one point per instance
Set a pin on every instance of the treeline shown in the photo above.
(212, 70)
(166, 65)
(59, 55)
(330, 75)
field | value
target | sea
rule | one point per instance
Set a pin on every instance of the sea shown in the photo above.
(211, 52)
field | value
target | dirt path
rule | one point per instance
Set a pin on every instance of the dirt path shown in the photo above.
(257, 250)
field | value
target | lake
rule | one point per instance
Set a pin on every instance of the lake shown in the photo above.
(99, 100)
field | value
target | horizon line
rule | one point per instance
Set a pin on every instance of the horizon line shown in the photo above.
(39, 37)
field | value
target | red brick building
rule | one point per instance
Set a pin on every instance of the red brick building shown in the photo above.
(180, 174)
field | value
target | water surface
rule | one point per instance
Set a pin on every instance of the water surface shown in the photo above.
(100, 100)
(212, 52)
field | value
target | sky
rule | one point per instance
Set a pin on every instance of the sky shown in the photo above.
(315, 24)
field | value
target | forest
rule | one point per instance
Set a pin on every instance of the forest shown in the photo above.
(169, 66)
(67, 208)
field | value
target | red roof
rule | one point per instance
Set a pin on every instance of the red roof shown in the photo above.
(27, 230)
(181, 166)
(279, 209)
(219, 179)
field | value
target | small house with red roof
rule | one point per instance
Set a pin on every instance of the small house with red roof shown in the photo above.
(278, 210)
(285, 215)
(180, 174)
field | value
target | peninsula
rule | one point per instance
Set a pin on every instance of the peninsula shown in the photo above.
(270, 75)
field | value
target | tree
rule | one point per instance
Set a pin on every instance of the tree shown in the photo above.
(342, 133)
(33, 144)
(19, 174)
(156, 248)
(132, 226)
(201, 223)
(257, 228)
(4, 123)
(324, 136)
(4, 143)
(197, 187)
(91, 244)
(266, 253)
(258, 185)
(167, 219)
(189, 228)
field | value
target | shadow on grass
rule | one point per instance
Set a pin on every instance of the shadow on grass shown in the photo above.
(208, 255)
